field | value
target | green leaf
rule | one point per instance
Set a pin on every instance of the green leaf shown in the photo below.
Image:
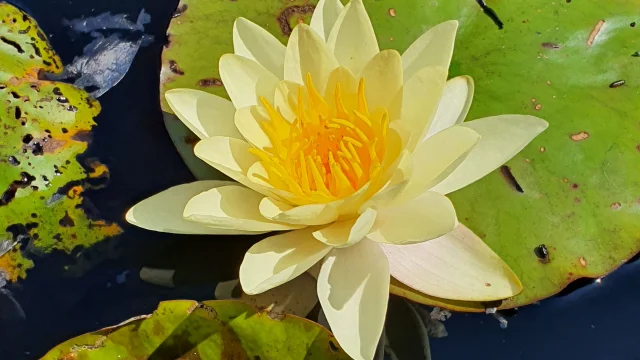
(580, 194)
(45, 125)
(209, 330)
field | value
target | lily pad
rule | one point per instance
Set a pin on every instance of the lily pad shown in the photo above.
(568, 205)
(45, 125)
(209, 330)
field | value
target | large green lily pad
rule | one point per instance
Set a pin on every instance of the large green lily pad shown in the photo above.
(44, 126)
(210, 330)
(580, 186)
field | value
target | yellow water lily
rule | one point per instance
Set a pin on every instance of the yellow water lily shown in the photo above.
(349, 152)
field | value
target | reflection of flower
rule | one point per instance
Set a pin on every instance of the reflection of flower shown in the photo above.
(352, 150)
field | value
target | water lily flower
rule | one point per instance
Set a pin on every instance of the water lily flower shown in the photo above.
(348, 152)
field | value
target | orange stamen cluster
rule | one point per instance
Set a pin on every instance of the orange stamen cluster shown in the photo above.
(328, 152)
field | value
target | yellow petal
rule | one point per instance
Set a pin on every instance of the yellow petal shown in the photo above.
(426, 217)
(353, 289)
(383, 77)
(433, 48)
(349, 232)
(286, 99)
(278, 259)
(324, 17)
(231, 207)
(205, 114)
(502, 138)
(245, 80)
(437, 157)
(454, 105)
(313, 214)
(308, 53)
(231, 157)
(420, 99)
(352, 38)
(256, 43)
(248, 120)
(348, 87)
(456, 266)
(163, 211)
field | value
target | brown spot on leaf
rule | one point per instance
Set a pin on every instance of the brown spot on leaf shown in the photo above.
(575, 186)
(543, 149)
(538, 107)
(287, 13)
(487, 284)
(580, 136)
(548, 45)
(52, 145)
(25, 180)
(82, 135)
(173, 66)
(565, 180)
(209, 82)
(594, 33)
(66, 220)
(392, 12)
(179, 11)
(616, 206)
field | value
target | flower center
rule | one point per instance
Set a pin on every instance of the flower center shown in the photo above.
(331, 149)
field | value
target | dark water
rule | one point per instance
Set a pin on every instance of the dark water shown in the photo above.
(597, 322)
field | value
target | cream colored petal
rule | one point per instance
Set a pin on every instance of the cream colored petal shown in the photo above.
(324, 17)
(385, 197)
(286, 99)
(348, 87)
(163, 211)
(278, 259)
(426, 217)
(231, 157)
(421, 96)
(437, 157)
(502, 138)
(313, 214)
(349, 232)
(352, 38)
(256, 43)
(433, 48)
(353, 288)
(205, 114)
(247, 120)
(456, 266)
(231, 207)
(306, 54)
(454, 105)
(383, 79)
(245, 80)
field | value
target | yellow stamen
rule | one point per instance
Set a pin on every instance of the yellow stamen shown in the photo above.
(329, 151)
(362, 101)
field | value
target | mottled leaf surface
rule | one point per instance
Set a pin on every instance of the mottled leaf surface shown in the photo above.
(224, 329)
(44, 125)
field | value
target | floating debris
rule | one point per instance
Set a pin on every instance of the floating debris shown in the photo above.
(616, 84)
(595, 32)
(501, 319)
(440, 314)
(106, 60)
